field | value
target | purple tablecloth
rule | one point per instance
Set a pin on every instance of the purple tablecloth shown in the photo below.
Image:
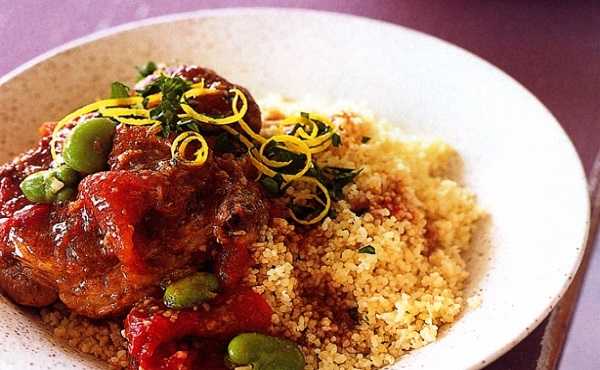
(552, 48)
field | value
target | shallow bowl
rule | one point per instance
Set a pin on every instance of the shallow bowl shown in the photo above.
(517, 158)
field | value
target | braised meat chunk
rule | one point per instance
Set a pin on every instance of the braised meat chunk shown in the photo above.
(145, 220)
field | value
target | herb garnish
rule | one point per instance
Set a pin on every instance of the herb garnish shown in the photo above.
(334, 178)
(119, 90)
(336, 140)
(172, 88)
(367, 249)
(146, 70)
(276, 153)
(273, 185)
(223, 143)
(365, 139)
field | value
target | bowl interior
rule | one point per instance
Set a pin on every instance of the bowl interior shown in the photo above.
(516, 157)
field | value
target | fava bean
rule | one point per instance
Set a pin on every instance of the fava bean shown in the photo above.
(50, 185)
(34, 187)
(264, 352)
(86, 149)
(191, 290)
(66, 174)
(65, 194)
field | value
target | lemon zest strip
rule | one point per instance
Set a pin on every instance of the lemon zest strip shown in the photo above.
(181, 143)
(134, 100)
(138, 121)
(298, 146)
(212, 120)
(119, 112)
(326, 208)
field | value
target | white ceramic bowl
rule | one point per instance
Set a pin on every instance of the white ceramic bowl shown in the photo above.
(516, 156)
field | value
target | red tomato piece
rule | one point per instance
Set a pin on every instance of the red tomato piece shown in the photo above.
(151, 329)
(117, 200)
(11, 198)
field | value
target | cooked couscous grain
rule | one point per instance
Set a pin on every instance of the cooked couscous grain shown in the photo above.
(101, 339)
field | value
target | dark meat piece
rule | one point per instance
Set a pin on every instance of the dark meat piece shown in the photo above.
(25, 256)
(236, 223)
(20, 284)
(129, 230)
(152, 331)
(12, 173)
(146, 226)
(137, 148)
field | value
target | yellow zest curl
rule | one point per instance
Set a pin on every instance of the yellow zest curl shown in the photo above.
(327, 205)
(316, 142)
(138, 121)
(212, 120)
(181, 143)
(101, 104)
(119, 112)
(294, 145)
(154, 99)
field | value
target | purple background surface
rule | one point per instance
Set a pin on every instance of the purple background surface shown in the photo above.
(553, 48)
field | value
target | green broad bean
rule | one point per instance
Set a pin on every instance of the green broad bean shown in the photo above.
(86, 149)
(65, 195)
(264, 352)
(50, 185)
(66, 174)
(34, 187)
(191, 290)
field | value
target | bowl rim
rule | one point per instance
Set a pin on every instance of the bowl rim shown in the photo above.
(486, 358)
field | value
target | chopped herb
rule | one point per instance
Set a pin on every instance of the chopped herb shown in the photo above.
(151, 88)
(323, 128)
(334, 178)
(119, 90)
(273, 185)
(192, 126)
(303, 212)
(172, 88)
(295, 129)
(224, 144)
(365, 139)
(332, 213)
(277, 153)
(188, 125)
(336, 140)
(368, 249)
(146, 70)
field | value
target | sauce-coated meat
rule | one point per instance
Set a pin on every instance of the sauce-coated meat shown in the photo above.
(144, 221)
